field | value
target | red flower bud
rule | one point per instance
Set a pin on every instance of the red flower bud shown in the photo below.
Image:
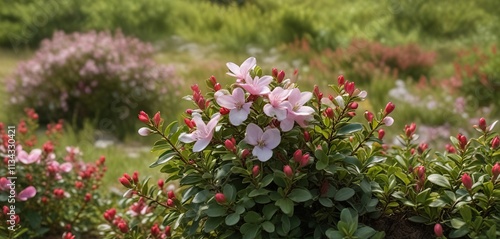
(482, 124)
(189, 123)
(157, 119)
(410, 130)
(78, 185)
(495, 142)
(307, 136)
(143, 117)
(495, 171)
(109, 214)
(369, 116)
(167, 231)
(420, 172)
(256, 170)
(351, 114)
(280, 77)
(170, 202)
(161, 183)
(288, 171)
(438, 230)
(68, 235)
(304, 161)
(462, 140)
(381, 134)
(340, 80)
(171, 194)
(48, 147)
(329, 113)
(422, 147)
(450, 149)
(88, 197)
(155, 230)
(297, 156)
(217, 87)
(245, 153)
(353, 105)
(274, 72)
(135, 177)
(123, 227)
(229, 145)
(317, 93)
(349, 87)
(189, 111)
(389, 108)
(213, 80)
(324, 187)
(125, 182)
(467, 181)
(220, 198)
(224, 111)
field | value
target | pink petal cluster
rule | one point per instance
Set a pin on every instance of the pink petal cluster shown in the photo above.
(236, 103)
(288, 107)
(263, 141)
(241, 72)
(33, 157)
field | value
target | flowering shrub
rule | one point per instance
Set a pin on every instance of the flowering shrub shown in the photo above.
(263, 159)
(361, 58)
(92, 75)
(43, 191)
(477, 71)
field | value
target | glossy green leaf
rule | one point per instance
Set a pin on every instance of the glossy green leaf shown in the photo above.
(439, 180)
(350, 128)
(300, 195)
(286, 205)
(344, 194)
(232, 219)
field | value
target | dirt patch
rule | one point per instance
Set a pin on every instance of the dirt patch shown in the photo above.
(398, 226)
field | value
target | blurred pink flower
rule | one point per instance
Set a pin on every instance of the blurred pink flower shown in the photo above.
(4, 184)
(241, 72)
(26, 194)
(33, 157)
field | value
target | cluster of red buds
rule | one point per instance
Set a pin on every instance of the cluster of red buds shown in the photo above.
(214, 84)
(120, 223)
(280, 75)
(410, 130)
(302, 159)
(55, 128)
(462, 141)
(157, 234)
(420, 172)
(128, 181)
(68, 235)
(230, 145)
(198, 97)
(59, 193)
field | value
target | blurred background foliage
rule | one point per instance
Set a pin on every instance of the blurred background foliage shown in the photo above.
(437, 60)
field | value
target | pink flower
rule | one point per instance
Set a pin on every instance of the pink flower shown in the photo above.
(257, 85)
(33, 157)
(277, 105)
(239, 108)
(4, 184)
(241, 72)
(203, 133)
(298, 112)
(144, 131)
(388, 121)
(27, 193)
(264, 142)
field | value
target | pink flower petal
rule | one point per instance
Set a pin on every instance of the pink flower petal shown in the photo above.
(27, 193)
(66, 167)
(271, 138)
(253, 134)
(262, 153)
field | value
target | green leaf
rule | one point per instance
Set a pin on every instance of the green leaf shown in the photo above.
(212, 223)
(201, 196)
(285, 223)
(326, 202)
(460, 232)
(163, 158)
(258, 192)
(249, 230)
(232, 219)
(439, 180)
(365, 232)
(300, 195)
(216, 211)
(347, 217)
(350, 128)
(160, 145)
(267, 226)
(269, 211)
(457, 223)
(190, 179)
(344, 194)
(252, 217)
(418, 219)
(334, 234)
(286, 205)
(322, 159)
(466, 213)
(230, 192)
(189, 193)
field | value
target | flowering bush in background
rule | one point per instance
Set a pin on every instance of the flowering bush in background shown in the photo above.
(55, 191)
(94, 75)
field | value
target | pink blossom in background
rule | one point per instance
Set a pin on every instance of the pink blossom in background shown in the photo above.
(26, 193)
(236, 103)
(264, 141)
(4, 184)
(32, 157)
(203, 133)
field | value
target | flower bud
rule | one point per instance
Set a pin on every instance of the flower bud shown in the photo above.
(217, 87)
(329, 113)
(170, 202)
(255, 171)
(212, 80)
(288, 171)
(467, 181)
(324, 187)
(495, 142)
(189, 123)
(168, 231)
(135, 177)
(274, 72)
(125, 182)
(317, 93)
(220, 198)
(462, 140)
(157, 119)
(143, 117)
(381, 134)
(224, 111)
(450, 149)
(349, 87)
(369, 116)
(161, 183)
(123, 227)
(307, 136)
(304, 161)
(422, 147)
(229, 145)
(420, 170)
(144, 131)
(389, 108)
(171, 194)
(297, 156)
(351, 114)
(281, 76)
(245, 153)
(353, 105)
(388, 121)
(340, 80)
(155, 230)
(189, 111)
(495, 171)
(438, 230)
(68, 235)
(88, 197)
(482, 124)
